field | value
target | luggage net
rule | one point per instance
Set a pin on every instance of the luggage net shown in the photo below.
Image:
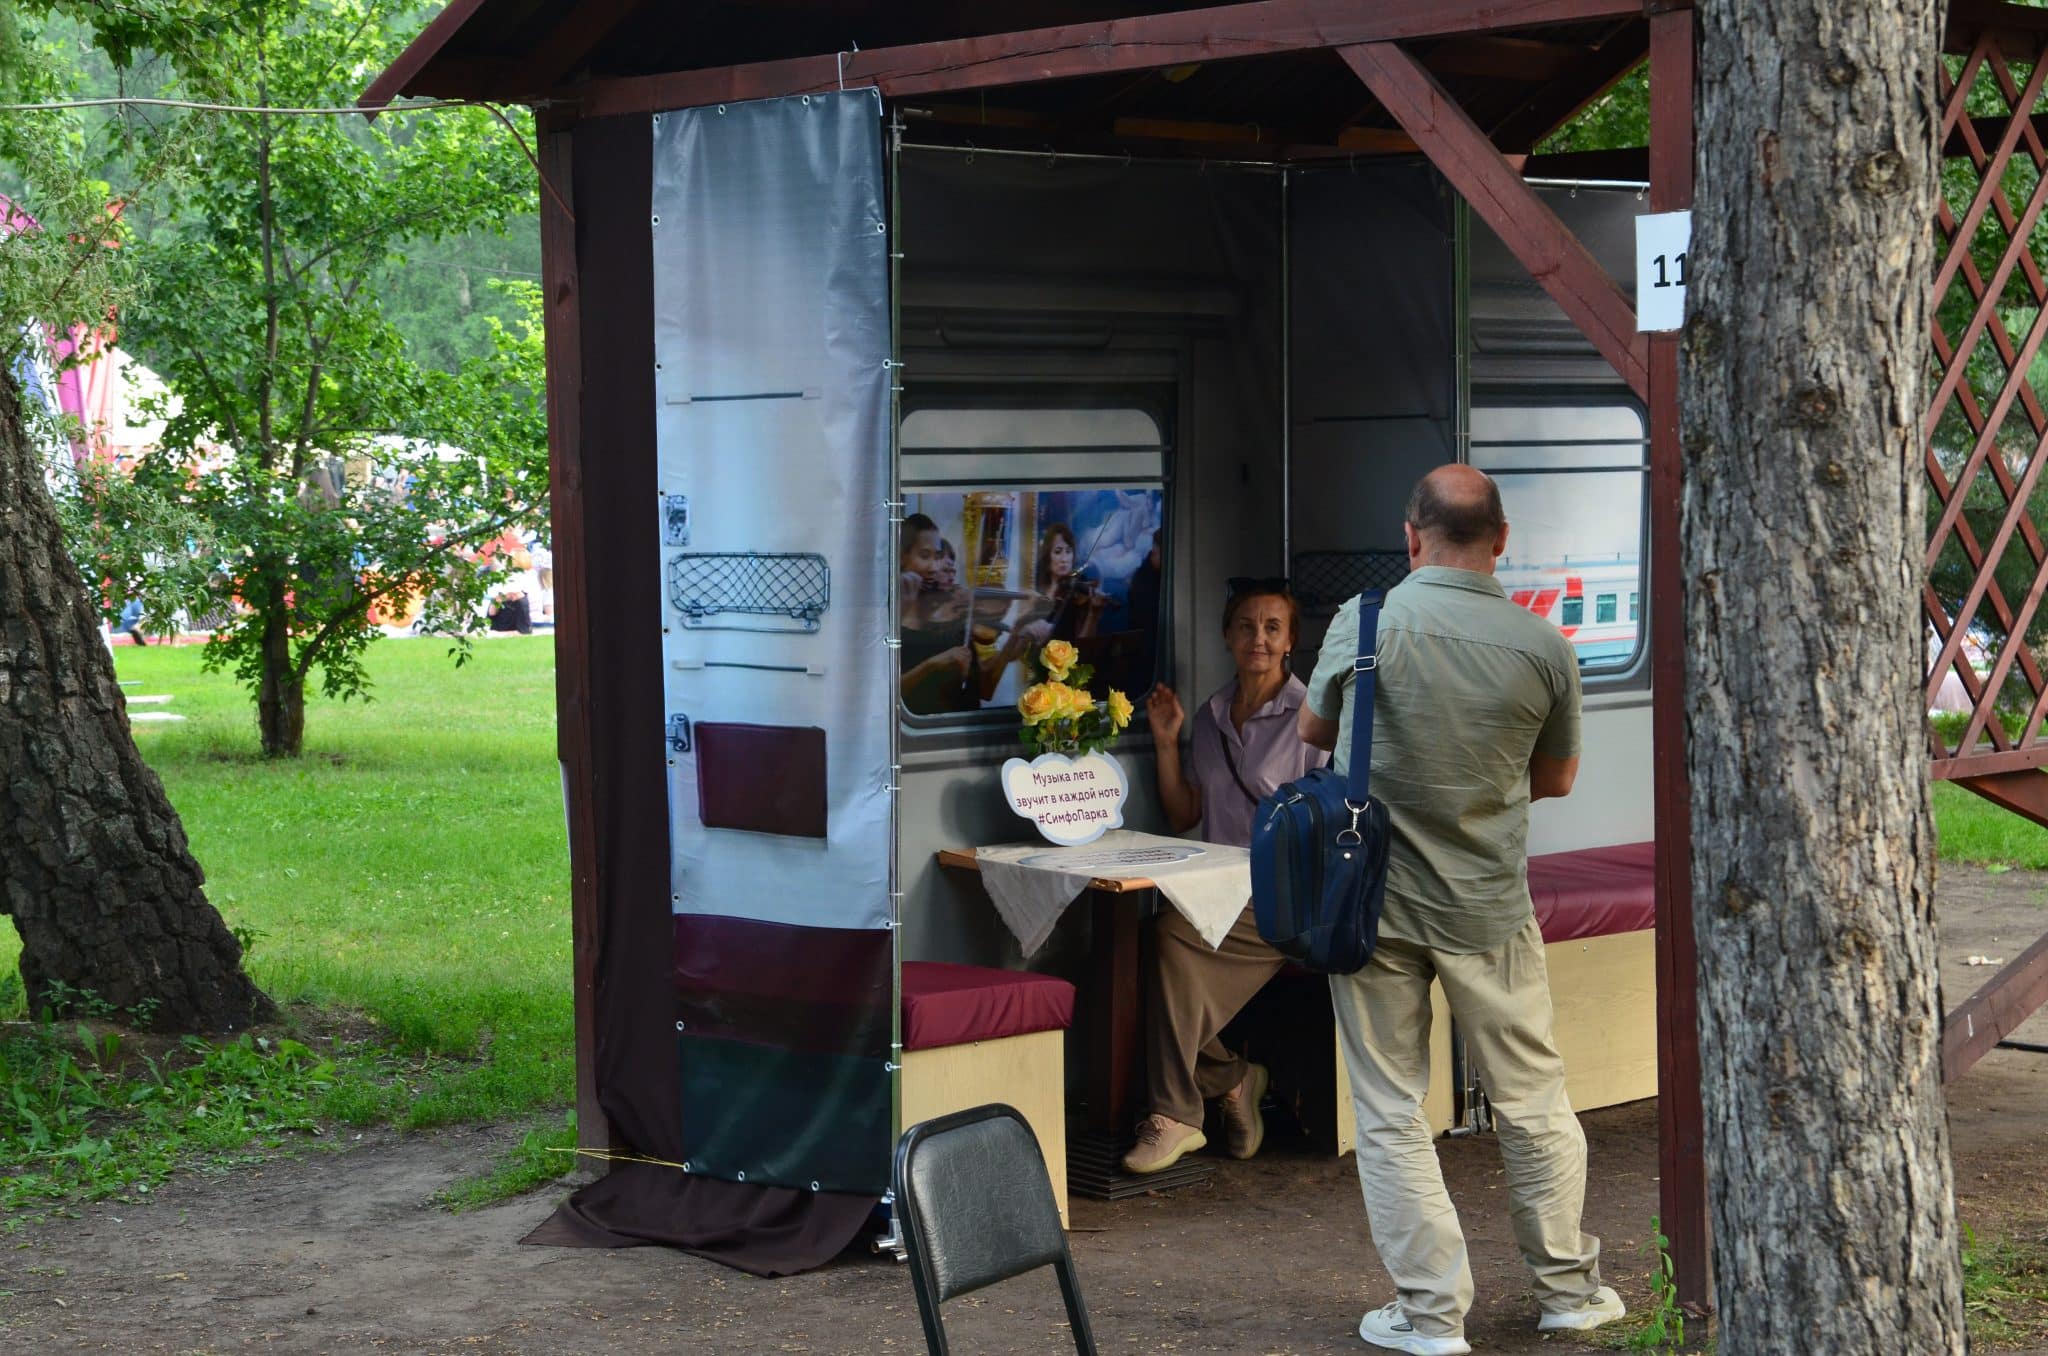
(785, 592)
(1323, 580)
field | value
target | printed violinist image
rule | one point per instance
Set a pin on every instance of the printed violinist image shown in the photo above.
(988, 577)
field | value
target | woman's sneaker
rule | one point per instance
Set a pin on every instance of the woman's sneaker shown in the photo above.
(1244, 1129)
(1162, 1141)
(1602, 1306)
(1389, 1328)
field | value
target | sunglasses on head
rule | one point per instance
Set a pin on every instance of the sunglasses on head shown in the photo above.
(1246, 584)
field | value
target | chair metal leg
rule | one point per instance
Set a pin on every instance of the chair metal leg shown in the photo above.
(1077, 1311)
(928, 1311)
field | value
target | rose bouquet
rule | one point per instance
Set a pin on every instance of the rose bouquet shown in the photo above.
(1059, 714)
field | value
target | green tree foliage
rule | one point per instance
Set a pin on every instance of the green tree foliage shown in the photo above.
(332, 469)
(1615, 121)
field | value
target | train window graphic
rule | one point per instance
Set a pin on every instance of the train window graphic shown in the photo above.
(1573, 480)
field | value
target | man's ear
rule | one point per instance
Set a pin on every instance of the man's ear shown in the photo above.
(1412, 539)
(1500, 543)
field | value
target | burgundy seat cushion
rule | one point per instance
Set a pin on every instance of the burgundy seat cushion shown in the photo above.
(945, 1004)
(1595, 892)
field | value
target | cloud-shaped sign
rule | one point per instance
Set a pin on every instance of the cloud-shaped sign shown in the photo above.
(1071, 800)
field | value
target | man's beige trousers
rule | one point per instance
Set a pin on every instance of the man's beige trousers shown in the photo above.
(1501, 1002)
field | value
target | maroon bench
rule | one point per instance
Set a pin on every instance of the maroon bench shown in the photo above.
(947, 1004)
(1594, 892)
(972, 1035)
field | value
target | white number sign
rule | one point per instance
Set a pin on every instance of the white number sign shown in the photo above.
(1663, 242)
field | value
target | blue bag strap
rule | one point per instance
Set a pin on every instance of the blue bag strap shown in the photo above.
(1364, 683)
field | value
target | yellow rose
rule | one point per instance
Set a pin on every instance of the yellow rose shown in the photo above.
(1074, 701)
(1119, 709)
(1058, 657)
(1040, 703)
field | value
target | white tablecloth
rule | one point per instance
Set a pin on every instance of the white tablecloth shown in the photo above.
(1033, 883)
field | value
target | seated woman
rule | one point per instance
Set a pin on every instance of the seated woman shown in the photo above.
(1243, 746)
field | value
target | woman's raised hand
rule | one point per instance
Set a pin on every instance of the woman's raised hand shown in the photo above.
(1162, 711)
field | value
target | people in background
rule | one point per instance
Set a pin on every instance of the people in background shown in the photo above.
(1476, 714)
(510, 611)
(131, 621)
(1243, 745)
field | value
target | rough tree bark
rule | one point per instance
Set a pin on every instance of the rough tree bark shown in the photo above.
(1820, 1013)
(93, 862)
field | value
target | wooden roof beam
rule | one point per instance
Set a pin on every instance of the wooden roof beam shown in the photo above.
(1490, 185)
(1258, 28)
(1497, 58)
(1590, 76)
(571, 42)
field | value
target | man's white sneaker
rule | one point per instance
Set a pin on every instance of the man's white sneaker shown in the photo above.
(1602, 1306)
(1389, 1328)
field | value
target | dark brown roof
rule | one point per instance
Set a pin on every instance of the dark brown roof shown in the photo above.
(1518, 85)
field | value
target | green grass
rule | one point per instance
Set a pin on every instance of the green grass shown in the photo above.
(1972, 829)
(2005, 1291)
(411, 866)
(83, 1120)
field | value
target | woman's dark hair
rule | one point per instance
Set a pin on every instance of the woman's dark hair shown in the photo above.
(946, 550)
(1236, 601)
(1059, 532)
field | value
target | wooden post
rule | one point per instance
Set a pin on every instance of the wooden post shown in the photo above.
(1118, 993)
(1682, 1173)
(561, 303)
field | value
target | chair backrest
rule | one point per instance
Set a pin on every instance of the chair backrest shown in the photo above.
(976, 1206)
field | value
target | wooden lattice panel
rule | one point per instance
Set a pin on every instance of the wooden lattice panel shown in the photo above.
(1986, 425)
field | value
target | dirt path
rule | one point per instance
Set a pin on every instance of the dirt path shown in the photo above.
(342, 1252)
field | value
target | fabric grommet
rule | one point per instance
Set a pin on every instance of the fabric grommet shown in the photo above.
(721, 110)
(814, 1185)
(679, 1026)
(742, 1176)
(657, 221)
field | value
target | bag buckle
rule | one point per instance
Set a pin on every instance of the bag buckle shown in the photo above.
(1365, 663)
(1351, 837)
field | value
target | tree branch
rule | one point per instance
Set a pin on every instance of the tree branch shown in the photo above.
(360, 604)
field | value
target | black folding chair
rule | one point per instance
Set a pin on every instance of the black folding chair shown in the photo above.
(976, 1207)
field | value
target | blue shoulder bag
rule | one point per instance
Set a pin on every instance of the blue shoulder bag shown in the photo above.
(1319, 844)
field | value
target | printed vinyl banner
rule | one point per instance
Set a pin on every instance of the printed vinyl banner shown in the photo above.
(772, 340)
(1002, 571)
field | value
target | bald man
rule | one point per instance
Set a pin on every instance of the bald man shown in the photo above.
(1476, 714)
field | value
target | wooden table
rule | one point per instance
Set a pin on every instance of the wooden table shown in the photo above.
(1116, 995)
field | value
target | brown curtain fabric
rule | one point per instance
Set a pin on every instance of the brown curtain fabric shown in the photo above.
(764, 1230)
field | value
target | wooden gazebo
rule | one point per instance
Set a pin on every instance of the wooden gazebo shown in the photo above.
(1473, 85)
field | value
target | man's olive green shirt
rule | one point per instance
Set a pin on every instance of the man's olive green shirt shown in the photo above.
(1469, 687)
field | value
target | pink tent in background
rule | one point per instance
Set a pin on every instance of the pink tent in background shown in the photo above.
(89, 372)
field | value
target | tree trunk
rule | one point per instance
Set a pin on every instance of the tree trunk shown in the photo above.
(1820, 1006)
(281, 696)
(93, 862)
